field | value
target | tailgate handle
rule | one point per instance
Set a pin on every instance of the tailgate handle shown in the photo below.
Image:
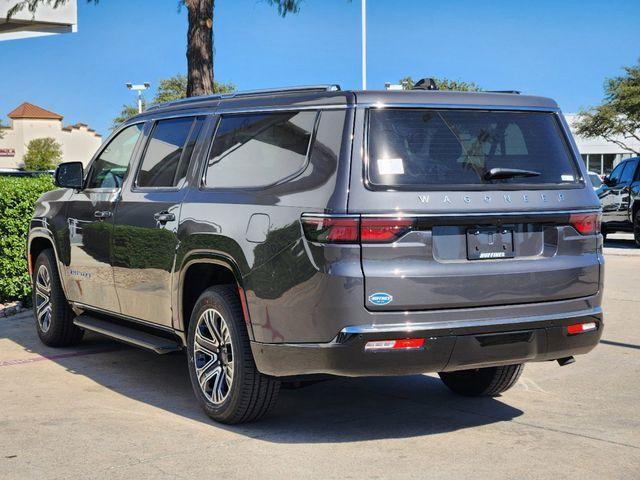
(494, 339)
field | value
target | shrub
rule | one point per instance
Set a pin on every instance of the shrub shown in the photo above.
(18, 196)
(42, 154)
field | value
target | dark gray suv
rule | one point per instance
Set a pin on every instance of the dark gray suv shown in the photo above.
(287, 234)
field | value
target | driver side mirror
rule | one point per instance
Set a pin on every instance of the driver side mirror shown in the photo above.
(608, 181)
(69, 175)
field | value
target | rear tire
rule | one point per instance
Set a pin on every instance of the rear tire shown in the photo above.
(53, 315)
(482, 382)
(225, 380)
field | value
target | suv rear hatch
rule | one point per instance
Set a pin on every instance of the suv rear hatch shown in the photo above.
(469, 208)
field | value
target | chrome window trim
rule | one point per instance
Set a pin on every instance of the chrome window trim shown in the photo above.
(453, 215)
(458, 106)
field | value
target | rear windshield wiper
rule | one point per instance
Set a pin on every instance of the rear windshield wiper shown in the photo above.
(502, 173)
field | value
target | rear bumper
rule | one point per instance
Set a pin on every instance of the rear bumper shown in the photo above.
(448, 346)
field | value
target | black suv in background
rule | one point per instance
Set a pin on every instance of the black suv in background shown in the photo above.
(280, 235)
(620, 199)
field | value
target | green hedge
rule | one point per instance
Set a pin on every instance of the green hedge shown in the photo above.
(18, 196)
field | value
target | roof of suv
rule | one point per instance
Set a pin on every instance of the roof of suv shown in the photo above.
(300, 97)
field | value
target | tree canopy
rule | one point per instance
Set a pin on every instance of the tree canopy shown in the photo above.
(42, 154)
(617, 119)
(444, 84)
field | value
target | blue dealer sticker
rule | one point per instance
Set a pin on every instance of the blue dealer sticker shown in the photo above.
(380, 298)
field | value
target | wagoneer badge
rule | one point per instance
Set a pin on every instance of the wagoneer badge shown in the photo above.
(380, 298)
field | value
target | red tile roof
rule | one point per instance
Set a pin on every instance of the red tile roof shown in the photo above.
(29, 110)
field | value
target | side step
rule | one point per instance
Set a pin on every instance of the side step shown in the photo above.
(129, 335)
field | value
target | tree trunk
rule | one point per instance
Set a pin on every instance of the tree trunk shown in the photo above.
(200, 47)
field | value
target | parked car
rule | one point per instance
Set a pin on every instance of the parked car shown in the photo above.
(620, 199)
(280, 235)
(596, 181)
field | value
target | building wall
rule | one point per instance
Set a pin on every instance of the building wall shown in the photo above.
(600, 155)
(78, 142)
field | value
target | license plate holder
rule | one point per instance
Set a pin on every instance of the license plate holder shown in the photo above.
(489, 243)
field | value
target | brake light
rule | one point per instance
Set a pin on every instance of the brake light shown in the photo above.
(331, 229)
(577, 328)
(382, 230)
(402, 344)
(585, 223)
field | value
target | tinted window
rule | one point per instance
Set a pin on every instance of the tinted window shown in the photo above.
(419, 148)
(627, 174)
(110, 168)
(616, 175)
(164, 153)
(259, 149)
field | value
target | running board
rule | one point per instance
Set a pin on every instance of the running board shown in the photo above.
(137, 338)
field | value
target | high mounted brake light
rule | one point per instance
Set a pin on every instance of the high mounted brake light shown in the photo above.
(340, 229)
(586, 223)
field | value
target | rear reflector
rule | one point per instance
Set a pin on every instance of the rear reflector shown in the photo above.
(402, 344)
(581, 328)
(585, 223)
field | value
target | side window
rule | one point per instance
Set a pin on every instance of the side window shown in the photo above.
(166, 157)
(627, 174)
(257, 150)
(110, 168)
(617, 173)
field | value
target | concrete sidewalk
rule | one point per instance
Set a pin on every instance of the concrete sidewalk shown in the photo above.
(104, 410)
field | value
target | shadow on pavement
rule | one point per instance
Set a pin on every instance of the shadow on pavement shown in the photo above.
(620, 241)
(340, 410)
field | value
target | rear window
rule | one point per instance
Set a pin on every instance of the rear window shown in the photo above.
(420, 149)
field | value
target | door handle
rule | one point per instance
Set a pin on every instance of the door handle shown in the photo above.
(102, 214)
(164, 217)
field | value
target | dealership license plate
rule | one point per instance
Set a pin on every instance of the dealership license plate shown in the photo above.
(484, 243)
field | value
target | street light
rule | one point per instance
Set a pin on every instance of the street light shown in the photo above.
(139, 88)
(364, 44)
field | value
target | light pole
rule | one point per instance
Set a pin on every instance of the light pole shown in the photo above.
(139, 88)
(364, 44)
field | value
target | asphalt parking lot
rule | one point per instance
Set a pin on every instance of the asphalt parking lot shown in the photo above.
(103, 410)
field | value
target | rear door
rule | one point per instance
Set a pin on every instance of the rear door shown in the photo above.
(146, 219)
(467, 208)
(90, 223)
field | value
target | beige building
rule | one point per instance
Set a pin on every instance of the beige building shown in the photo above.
(28, 121)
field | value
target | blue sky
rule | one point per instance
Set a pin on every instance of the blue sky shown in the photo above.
(562, 49)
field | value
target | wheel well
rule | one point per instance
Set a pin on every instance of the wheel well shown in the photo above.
(38, 244)
(197, 279)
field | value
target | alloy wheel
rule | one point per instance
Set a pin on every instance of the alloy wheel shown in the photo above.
(43, 298)
(213, 356)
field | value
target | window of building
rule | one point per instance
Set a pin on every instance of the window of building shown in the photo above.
(164, 153)
(256, 150)
(111, 166)
(608, 162)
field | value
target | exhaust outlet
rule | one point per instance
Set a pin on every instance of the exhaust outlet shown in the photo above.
(566, 361)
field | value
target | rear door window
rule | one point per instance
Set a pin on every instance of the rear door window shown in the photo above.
(422, 149)
(257, 150)
(166, 157)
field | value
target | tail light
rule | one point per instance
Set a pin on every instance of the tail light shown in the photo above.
(383, 230)
(586, 223)
(340, 229)
(331, 229)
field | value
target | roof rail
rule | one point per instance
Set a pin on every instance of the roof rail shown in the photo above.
(513, 92)
(251, 93)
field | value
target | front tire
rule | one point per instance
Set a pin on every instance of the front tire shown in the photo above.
(53, 315)
(482, 382)
(636, 228)
(225, 380)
